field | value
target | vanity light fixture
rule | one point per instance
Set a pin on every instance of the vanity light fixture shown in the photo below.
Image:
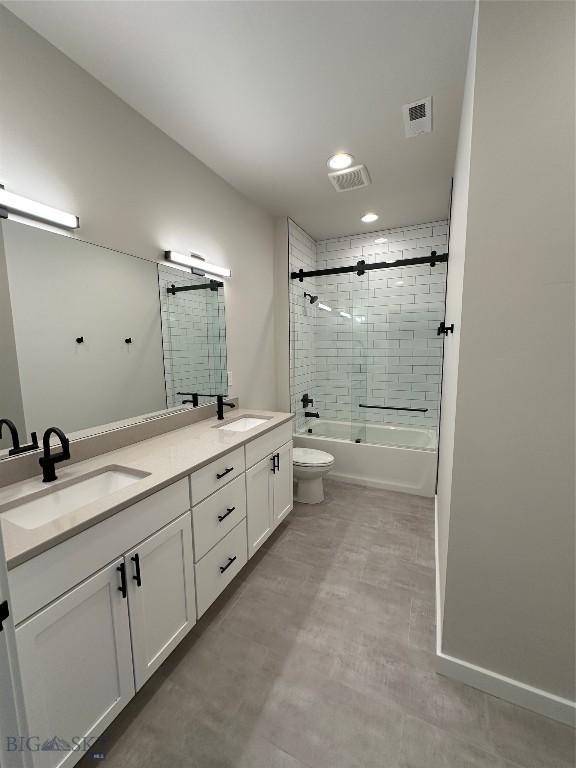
(324, 307)
(196, 263)
(12, 203)
(340, 161)
(381, 240)
(368, 218)
(345, 314)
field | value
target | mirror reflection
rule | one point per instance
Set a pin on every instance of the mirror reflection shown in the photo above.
(91, 337)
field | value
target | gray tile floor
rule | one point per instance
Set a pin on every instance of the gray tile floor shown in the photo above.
(320, 655)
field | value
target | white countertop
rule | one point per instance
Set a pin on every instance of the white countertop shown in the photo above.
(167, 458)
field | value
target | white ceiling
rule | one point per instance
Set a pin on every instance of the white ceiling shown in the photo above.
(264, 92)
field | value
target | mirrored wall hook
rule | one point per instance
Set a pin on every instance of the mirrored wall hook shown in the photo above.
(79, 339)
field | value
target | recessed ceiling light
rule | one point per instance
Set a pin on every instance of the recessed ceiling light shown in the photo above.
(368, 218)
(340, 161)
(381, 240)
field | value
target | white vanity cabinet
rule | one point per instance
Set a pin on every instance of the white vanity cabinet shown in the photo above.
(98, 613)
(160, 586)
(268, 485)
(76, 666)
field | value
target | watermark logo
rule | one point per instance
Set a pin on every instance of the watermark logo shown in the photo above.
(51, 744)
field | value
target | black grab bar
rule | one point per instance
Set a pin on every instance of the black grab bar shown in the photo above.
(394, 408)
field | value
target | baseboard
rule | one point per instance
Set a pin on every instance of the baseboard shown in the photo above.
(374, 483)
(534, 699)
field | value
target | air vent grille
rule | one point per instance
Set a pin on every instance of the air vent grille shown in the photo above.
(418, 117)
(417, 112)
(351, 178)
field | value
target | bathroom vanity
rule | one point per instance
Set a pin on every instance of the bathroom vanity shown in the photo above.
(112, 565)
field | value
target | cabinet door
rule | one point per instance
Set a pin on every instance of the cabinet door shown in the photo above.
(76, 668)
(283, 484)
(160, 574)
(259, 503)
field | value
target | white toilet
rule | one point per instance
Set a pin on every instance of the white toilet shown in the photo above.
(310, 466)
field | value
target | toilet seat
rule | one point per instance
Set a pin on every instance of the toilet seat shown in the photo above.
(311, 457)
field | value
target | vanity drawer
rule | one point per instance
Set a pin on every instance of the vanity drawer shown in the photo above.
(215, 475)
(211, 579)
(214, 517)
(263, 446)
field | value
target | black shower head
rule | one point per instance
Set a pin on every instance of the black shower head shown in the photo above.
(313, 299)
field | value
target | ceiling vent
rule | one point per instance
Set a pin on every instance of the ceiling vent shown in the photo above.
(418, 117)
(350, 178)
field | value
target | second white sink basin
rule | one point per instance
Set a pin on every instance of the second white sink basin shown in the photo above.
(49, 504)
(243, 424)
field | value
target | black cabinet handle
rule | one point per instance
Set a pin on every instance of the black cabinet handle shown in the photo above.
(278, 462)
(137, 576)
(228, 564)
(273, 460)
(229, 511)
(122, 588)
(222, 474)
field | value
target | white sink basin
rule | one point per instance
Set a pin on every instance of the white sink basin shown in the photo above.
(243, 424)
(48, 504)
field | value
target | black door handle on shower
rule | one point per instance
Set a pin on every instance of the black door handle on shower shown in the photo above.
(229, 511)
(223, 474)
(137, 576)
(122, 588)
(228, 564)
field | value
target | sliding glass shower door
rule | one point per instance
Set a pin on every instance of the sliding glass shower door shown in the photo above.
(402, 359)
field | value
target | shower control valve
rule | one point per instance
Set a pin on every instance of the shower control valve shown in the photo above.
(445, 329)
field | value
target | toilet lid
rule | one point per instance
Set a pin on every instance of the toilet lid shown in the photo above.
(310, 457)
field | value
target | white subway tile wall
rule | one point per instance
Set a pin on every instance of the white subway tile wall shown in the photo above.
(379, 344)
(193, 337)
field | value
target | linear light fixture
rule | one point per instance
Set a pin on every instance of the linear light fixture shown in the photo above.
(324, 307)
(13, 203)
(196, 263)
(345, 314)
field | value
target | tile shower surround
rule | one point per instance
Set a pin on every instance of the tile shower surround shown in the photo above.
(388, 352)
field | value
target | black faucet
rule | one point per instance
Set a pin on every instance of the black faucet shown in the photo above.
(49, 460)
(311, 415)
(16, 447)
(306, 401)
(220, 406)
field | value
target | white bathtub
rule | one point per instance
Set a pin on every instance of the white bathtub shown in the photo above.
(396, 458)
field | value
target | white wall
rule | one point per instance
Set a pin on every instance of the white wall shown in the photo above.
(61, 289)
(454, 285)
(69, 142)
(509, 596)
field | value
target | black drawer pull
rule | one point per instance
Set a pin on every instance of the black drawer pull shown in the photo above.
(137, 576)
(229, 511)
(228, 564)
(122, 588)
(222, 474)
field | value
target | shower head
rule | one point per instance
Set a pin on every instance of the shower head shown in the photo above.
(313, 299)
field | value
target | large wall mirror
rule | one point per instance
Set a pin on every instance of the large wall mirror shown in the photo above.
(92, 338)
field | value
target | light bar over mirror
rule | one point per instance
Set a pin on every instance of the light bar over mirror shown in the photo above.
(197, 263)
(13, 203)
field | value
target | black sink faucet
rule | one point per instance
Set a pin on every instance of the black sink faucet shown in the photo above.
(49, 460)
(220, 406)
(16, 447)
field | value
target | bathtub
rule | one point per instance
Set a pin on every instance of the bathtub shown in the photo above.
(394, 457)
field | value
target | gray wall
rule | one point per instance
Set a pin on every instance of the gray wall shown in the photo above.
(509, 600)
(69, 142)
(454, 284)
